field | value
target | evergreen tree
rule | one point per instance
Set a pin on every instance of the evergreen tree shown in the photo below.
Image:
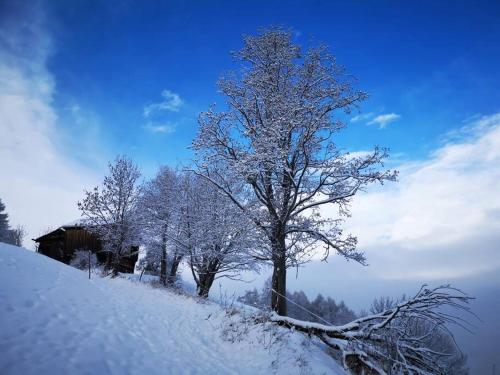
(320, 310)
(6, 234)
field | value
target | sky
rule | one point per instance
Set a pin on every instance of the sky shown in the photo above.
(83, 81)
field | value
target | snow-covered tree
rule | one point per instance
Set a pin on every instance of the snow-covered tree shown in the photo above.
(251, 298)
(383, 303)
(18, 234)
(277, 136)
(110, 211)
(181, 231)
(220, 237)
(4, 224)
(320, 310)
(158, 204)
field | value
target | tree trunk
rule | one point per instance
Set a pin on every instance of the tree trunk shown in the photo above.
(163, 267)
(278, 293)
(117, 257)
(163, 262)
(107, 265)
(205, 284)
(173, 269)
(117, 254)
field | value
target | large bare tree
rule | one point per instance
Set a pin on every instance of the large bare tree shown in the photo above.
(277, 135)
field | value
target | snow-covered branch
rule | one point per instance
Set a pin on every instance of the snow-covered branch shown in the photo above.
(400, 339)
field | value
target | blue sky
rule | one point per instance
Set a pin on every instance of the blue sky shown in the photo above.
(82, 81)
(434, 64)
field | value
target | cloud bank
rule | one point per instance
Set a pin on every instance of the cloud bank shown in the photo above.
(442, 219)
(41, 182)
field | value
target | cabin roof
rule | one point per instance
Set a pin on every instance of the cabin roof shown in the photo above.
(79, 223)
(75, 224)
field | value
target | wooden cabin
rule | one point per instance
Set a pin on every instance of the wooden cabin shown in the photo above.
(61, 244)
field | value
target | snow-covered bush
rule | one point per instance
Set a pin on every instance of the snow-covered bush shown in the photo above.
(82, 259)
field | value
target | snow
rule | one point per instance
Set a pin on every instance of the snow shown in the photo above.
(344, 328)
(53, 320)
(75, 223)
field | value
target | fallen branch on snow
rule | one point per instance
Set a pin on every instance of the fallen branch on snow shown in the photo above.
(400, 339)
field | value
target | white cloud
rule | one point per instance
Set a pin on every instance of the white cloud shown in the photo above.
(362, 117)
(442, 220)
(172, 102)
(160, 128)
(383, 120)
(360, 154)
(40, 182)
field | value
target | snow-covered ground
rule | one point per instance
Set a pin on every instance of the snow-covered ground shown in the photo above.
(53, 320)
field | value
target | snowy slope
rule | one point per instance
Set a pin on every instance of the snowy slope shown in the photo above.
(53, 320)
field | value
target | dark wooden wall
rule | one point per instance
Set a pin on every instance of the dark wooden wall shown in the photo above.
(62, 243)
(52, 245)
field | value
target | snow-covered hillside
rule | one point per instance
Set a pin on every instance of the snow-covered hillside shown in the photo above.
(53, 320)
